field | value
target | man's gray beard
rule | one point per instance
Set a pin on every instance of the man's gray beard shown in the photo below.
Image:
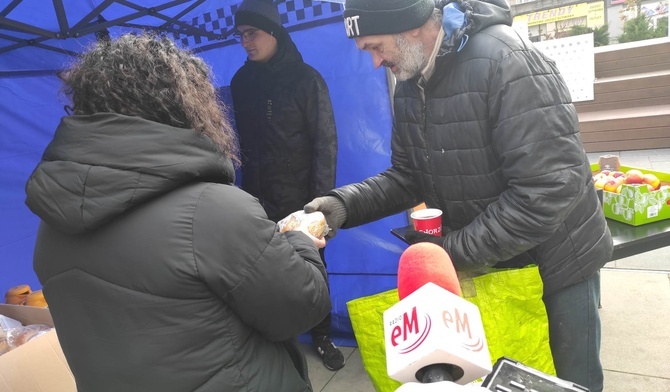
(410, 60)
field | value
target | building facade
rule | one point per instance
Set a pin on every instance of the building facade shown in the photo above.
(548, 19)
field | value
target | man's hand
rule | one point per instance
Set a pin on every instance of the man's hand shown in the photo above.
(333, 209)
(413, 237)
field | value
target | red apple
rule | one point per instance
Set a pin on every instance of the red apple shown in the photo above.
(605, 172)
(633, 176)
(611, 185)
(600, 183)
(617, 174)
(652, 180)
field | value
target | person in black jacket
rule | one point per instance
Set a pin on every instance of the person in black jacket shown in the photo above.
(160, 273)
(286, 129)
(485, 130)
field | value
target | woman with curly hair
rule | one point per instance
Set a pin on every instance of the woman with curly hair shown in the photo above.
(160, 274)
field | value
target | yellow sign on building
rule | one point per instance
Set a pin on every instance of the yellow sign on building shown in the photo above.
(595, 16)
(594, 12)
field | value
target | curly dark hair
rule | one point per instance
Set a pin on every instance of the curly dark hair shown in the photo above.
(148, 76)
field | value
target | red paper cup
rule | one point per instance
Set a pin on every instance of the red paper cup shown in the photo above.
(428, 220)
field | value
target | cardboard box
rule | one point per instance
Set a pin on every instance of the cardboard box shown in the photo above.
(636, 205)
(36, 366)
(609, 162)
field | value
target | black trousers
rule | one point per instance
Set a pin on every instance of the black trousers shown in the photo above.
(322, 328)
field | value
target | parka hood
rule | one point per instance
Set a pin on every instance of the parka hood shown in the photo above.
(478, 15)
(99, 166)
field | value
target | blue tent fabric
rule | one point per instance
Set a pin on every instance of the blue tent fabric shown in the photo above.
(29, 113)
(361, 261)
(26, 19)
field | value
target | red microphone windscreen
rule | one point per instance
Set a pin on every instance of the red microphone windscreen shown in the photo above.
(426, 262)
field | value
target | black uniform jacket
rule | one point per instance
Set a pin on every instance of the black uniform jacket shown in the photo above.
(286, 129)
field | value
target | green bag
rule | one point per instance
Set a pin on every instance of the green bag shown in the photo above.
(514, 317)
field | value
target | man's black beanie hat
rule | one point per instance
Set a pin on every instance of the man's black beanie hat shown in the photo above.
(377, 17)
(262, 14)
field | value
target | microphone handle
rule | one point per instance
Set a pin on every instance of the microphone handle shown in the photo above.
(435, 373)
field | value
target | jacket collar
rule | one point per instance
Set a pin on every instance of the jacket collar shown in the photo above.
(428, 70)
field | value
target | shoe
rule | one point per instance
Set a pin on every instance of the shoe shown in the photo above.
(331, 355)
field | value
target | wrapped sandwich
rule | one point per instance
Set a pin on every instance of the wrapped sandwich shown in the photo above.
(313, 223)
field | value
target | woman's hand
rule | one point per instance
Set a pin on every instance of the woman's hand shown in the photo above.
(318, 242)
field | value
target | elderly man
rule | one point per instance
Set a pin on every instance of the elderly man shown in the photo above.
(485, 130)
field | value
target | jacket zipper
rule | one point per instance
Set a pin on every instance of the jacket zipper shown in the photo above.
(429, 162)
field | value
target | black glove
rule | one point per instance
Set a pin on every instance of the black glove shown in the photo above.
(332, 208)
(412, 236)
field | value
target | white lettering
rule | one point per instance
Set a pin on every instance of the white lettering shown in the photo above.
(436, 231)
(351, 25)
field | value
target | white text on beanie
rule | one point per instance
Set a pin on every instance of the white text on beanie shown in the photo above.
(378, 17)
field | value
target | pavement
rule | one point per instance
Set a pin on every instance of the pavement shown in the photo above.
(635, 316)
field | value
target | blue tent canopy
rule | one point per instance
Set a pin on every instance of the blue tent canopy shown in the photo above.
(37, 40)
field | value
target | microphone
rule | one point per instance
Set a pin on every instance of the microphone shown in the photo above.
(433, 334)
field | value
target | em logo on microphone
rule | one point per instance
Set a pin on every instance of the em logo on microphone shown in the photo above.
(409, 331)
(408, 334)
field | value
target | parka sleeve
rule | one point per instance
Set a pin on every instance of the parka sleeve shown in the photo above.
(318, 114)
(535, 133)
(274, 282)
